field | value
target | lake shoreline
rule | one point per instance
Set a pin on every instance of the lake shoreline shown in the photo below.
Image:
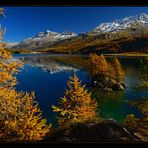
(121, 55)
(47, 76)
(126, 55)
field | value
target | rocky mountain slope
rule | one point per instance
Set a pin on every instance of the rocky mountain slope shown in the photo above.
(127, 22)
(43, 39)
(135, 35)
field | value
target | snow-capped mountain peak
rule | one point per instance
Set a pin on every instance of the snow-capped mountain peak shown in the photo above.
(122, 24)
(53, 35)
(42, 38)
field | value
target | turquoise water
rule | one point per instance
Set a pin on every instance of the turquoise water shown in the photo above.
(48, 75)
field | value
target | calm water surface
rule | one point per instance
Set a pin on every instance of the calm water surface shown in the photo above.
(47, 76)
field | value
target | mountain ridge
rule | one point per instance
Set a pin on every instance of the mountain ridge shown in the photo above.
(121, 24)
(49, 39)
(42, 38)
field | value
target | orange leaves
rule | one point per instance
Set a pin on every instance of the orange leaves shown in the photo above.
(7, 69)
(100, 68)
(55, 109)
(97, 65)
(20, 117)
(131, 122)
(118, 70)
(76, 105)
(31, 119)
(138, 125)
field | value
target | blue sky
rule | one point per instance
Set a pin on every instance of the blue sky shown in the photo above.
(24, 22)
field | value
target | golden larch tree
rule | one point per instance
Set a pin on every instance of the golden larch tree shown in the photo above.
(20, 117)
(139, 125)
(112, 73)
(97, 65)
(118, 71)
(76, 105)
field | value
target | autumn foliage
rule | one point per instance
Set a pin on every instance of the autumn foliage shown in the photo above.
(76, 105)
(138, 124)
(117, 70)
(20, 117)
(99, 67)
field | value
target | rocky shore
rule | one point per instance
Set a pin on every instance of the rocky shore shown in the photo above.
(105, 131)
(108, 84)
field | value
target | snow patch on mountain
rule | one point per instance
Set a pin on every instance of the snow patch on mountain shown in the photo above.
(42, 38)
(53, 35)
(116, 25)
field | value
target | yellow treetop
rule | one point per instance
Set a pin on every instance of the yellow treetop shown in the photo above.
(76, 105)
(118, 70)
(20, 117)
(97, 65)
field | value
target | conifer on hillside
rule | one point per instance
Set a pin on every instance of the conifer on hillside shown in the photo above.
(20, 117)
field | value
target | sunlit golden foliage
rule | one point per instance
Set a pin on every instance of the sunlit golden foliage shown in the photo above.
(142, 105)
(131, 122)
(138, 125)
(99, 67)
(76, 105)
(20, 117)
(118, 71)
(7, 69)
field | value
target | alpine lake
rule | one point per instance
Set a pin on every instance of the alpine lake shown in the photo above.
(47, 76)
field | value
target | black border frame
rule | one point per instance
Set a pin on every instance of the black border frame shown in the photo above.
(60, 3)
(74, 2)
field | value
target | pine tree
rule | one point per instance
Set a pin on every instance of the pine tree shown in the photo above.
(103, 65)
(119, 73)
(112, 73)
(76, 105)
(98, 66)
(92, 64)
(20, 117)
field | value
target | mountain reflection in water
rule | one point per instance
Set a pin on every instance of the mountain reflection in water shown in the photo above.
(48, 65)
(47, 76)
